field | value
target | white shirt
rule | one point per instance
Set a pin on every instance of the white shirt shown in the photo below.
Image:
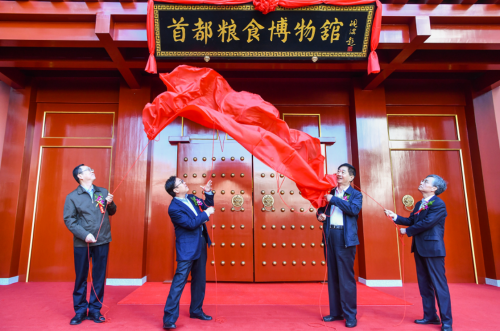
(426, 199)
(336, 215)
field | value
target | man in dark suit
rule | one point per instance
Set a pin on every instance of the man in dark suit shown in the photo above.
(426, 226)
(84, 210)
(189, 215)
(340, 218)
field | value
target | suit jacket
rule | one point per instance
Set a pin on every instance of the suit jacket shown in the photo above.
(189, 228)
(350, 210)
(427, 228)
(82, 216)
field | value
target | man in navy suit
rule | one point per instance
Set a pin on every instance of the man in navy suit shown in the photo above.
(341, 233)
(426, 226)
(189, 215)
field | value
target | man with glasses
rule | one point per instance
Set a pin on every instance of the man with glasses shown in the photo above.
(189, 215)
(340, 218)
(426, 227)
(84, 210)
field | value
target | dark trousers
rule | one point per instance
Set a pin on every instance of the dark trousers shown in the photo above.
(433, 285)
(198, 282)
(99, 255)
(341, 281)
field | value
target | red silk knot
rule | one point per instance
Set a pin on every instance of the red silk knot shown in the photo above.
(265, 6)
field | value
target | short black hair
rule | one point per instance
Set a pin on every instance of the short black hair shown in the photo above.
(170, 185)
(350, 168)
(76, 172)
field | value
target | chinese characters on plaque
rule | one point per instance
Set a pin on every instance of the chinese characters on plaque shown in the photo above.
(330, 32)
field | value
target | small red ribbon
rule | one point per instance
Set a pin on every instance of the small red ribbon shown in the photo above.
(100, 204)
(418, 212)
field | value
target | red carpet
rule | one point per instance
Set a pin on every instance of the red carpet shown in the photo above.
(258, 294)
(49, 306)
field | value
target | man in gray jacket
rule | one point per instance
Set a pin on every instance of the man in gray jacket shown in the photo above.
(84, 210)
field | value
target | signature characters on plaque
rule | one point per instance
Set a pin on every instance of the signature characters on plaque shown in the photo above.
(227, 31)
(352, 32)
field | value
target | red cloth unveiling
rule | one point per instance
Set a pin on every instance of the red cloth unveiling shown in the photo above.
(267, 6)
(204, 97)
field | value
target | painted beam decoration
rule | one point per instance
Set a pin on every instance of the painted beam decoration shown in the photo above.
(240, 32)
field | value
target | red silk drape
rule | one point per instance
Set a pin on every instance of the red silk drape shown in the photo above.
(266, 6)
(205, 97)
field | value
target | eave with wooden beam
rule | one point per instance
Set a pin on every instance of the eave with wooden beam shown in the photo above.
(420, 31)
(13, 77)
(487, 82)
(110, 29)
(104, 31)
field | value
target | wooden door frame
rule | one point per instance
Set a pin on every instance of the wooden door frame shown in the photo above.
(37, 190)
(465, 194)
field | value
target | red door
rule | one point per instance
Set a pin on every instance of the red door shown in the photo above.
(231, 227)
(66, 135)
(287, 234)
(52, 246)
(288, 237)
(409, 168)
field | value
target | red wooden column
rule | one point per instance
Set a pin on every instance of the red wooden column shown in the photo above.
(161, 234)
(378, 252)
(13, 162)
(487, 117)
(127, 265)
(4, 109)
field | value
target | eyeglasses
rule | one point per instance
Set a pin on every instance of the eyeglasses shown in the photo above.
(82, 171)
(182, 182)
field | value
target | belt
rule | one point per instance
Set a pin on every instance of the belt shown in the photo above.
(336, 227)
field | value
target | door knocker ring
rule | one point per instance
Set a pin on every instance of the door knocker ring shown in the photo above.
(408, 202)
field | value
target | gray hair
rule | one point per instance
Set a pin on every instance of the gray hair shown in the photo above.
(440, 183)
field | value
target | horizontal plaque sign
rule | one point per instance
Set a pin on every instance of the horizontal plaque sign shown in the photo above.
(241, 32)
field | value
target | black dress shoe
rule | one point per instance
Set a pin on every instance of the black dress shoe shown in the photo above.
(330, 318)
(96, 317)
(202, 317)
(78, 319)
(351, 323)
(169, 326)
(446, 328)
(426, 321)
